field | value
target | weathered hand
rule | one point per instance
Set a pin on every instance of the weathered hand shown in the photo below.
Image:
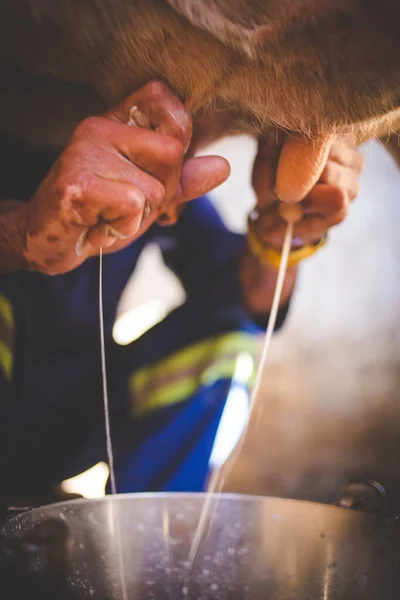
(118, 174)
(325, 206)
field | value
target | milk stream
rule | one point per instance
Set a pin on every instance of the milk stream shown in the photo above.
(110, 455)
(218, 478)
(115, 523)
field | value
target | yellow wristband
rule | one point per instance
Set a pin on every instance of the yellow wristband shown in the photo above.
(270, 257)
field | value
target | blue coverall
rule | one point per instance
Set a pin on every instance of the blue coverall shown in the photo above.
(167, 389)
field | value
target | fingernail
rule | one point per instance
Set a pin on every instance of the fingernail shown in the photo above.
(111, 231)
(80, 244)
(137, 118)
(145, 214)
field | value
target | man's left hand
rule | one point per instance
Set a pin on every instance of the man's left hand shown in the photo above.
(326, 205)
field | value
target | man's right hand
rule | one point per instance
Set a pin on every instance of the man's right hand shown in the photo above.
(112, 173)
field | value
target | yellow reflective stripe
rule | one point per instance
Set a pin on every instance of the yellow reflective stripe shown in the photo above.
(6, 360)
(172, 381)
(6, 311)
(166, 396)
(221, 370)
(6, 351)
(184, 360)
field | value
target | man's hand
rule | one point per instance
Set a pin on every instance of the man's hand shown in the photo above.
(113, 173)
(325, 206)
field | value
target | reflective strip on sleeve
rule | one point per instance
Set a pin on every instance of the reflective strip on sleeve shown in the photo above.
(6, 311)
(6, 337)
(6, 360)
(176, 378)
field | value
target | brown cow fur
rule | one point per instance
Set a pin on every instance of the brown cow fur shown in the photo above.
(313, 66)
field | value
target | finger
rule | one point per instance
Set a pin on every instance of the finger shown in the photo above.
(108, 235)
(147, 218)
(342, 177)
(264, 171)
(312, 228)
(326, 200)
(118, 204)
(150, 191)
(91, 163)
(161, 110)
(325, 207)
(307, 231)
(300, 166)
(268, 220)
(274, 234)
(98, 237)
(199, 176)
(347, 154)
(157, 154)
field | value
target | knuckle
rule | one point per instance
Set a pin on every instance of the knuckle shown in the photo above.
(157, 192)
(185, 122)
(340, 198)
(181, 126)
(313, 226)
(355, 192)
(360, 162)
(173, 151)
(76, 151)
(72, 166)
(335, 148)
(89, 127)
(136, 200)
(156, 88)
(329, 174)
(339, 216)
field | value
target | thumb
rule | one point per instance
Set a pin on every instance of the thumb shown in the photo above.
(199, 176)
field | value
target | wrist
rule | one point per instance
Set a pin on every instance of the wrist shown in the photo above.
(13, 227)
(258, 283)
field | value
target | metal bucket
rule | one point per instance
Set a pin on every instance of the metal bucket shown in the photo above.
(136, 547)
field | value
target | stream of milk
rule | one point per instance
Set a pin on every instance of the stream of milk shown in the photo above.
(219, 476)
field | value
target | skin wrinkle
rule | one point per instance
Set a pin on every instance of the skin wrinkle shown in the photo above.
(82, 195)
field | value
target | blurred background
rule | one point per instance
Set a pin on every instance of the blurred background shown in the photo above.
(329, 407)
